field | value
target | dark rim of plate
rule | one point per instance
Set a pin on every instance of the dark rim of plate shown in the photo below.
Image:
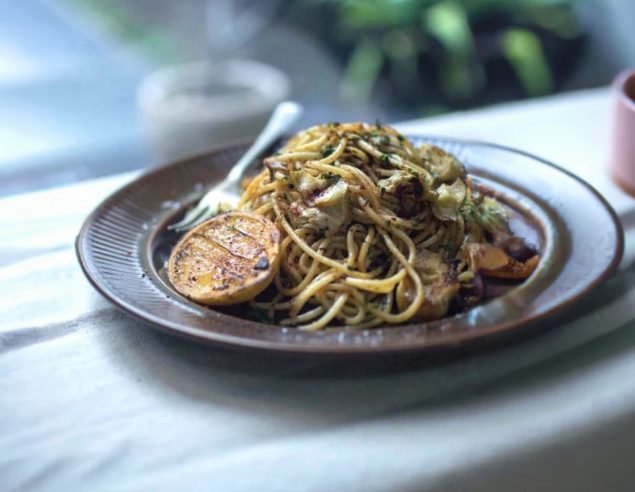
(115, 247)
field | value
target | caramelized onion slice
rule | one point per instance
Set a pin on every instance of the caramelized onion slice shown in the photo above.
(492, 261)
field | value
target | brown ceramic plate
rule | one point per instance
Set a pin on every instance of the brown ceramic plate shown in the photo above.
(124, 243)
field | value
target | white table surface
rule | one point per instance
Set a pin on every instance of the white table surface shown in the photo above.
(93, 400)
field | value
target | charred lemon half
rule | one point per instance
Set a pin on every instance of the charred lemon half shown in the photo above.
(226, 260)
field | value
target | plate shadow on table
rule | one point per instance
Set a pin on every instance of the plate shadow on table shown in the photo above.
(352, 385)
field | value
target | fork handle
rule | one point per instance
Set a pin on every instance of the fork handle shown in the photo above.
(285, 114)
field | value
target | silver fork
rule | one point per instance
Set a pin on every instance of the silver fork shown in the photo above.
(227, 191)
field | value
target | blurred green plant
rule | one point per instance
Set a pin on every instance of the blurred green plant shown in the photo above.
(394, 36)
(111, 15)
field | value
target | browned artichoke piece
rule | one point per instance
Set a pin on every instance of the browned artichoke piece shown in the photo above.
(440, 286)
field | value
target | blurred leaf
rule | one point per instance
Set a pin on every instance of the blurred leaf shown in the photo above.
(399, 43)
(461, 75)
(375, 13)
(402, 51)
(525, 54)
(448, 23)
(560, 20)
(362, 71)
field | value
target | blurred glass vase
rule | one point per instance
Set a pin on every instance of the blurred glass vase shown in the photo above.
(192, 107)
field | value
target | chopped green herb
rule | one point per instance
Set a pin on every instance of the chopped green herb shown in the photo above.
(400, 137)
(330, 175)
(384, 160)
(327, 150)
(378, 123)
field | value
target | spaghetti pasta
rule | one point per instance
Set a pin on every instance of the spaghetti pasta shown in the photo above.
(375, 230)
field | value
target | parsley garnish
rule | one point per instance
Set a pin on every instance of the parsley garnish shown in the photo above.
(327, 150)
(413, 173)
(330, 175)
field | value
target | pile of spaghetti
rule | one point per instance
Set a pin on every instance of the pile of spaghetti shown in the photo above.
(377, 231)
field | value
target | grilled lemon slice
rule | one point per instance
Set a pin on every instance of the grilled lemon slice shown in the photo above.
(226, 260)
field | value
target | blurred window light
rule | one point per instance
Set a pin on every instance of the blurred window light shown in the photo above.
(14, 65)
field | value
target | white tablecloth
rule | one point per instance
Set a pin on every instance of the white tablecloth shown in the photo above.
(93, 400)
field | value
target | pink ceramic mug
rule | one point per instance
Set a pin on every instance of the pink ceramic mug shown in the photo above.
(623, 161)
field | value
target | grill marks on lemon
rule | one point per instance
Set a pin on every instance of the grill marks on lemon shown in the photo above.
(226, 260)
